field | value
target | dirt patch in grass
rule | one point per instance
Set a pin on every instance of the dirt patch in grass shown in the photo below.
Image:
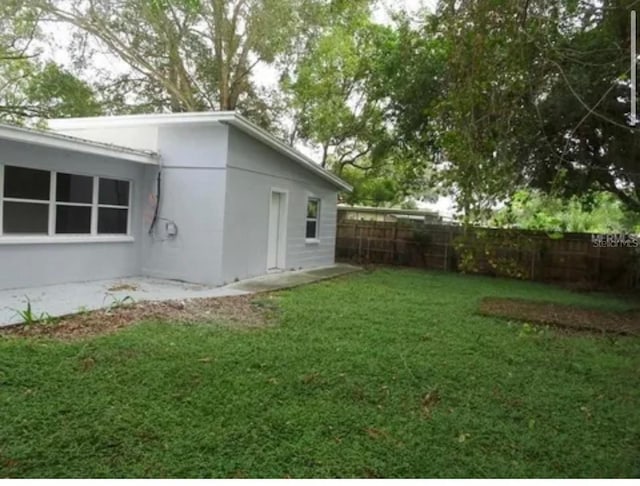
(564, 316)
(242, 310)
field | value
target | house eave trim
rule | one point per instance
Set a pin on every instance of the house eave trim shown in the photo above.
(74, 144)
(224, 117)
(258, 133)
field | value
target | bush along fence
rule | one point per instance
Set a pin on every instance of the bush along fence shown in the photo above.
(582, 261)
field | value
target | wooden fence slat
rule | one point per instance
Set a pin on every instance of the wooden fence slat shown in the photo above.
(571, 259)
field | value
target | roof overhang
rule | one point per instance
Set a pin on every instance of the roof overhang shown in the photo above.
(230, 118)
(64, 142)
(265, 137)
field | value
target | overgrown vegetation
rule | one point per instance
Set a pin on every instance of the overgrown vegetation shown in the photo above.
(388, 373)
(598, 212)
(30, 317)
(119, 302)
(495, 252)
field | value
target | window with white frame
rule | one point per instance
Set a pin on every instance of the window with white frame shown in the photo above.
(74, 204)
(26, 201)
(41, 202)
(113, 206)
(313, 218)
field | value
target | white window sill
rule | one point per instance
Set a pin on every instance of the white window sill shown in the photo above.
(45, 240)
(312, 241)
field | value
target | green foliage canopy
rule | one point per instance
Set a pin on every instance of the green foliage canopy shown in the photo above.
(599, 212)
(30, 88)
(477, 99)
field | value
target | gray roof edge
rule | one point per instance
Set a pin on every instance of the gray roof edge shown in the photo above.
(225, 117)
(59, 140)
(259, 133)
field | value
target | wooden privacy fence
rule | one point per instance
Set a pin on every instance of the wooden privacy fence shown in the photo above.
(578, 259)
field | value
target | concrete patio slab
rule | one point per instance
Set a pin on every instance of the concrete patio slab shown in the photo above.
(63, 299)
(285, 280)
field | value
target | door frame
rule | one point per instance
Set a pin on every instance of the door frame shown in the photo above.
(281, 250)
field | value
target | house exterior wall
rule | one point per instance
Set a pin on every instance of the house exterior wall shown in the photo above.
(141, 137)
(193, 164)
(253, 170)
(216, 185)
(192, 197)
(23, 265)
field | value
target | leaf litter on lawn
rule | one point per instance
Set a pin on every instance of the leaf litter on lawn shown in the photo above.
(244, 310)
(562, 315)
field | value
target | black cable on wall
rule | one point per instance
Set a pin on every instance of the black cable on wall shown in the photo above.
(157, 209)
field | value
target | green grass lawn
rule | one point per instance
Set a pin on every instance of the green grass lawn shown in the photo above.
(336, 388)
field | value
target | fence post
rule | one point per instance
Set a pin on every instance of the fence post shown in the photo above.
(359, 243)
(446, 256)
(394, 247)
(533, 264)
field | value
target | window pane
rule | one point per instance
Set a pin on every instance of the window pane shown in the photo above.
(73, 219)
(26, 183)
(312, 208)
(112, 220)
(114, 192)
(311, 229)
(20, 218)
(74, 188)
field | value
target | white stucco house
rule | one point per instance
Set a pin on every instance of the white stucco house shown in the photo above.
(207, 198)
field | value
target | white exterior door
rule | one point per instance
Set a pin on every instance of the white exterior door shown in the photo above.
(277, 231)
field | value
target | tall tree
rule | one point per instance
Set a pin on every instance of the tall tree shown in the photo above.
(535, 94)
(194, 55)
(584, 139)
(30, 89)
(491, 66)
(348, 94)
(18, 26)
(330, 96)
